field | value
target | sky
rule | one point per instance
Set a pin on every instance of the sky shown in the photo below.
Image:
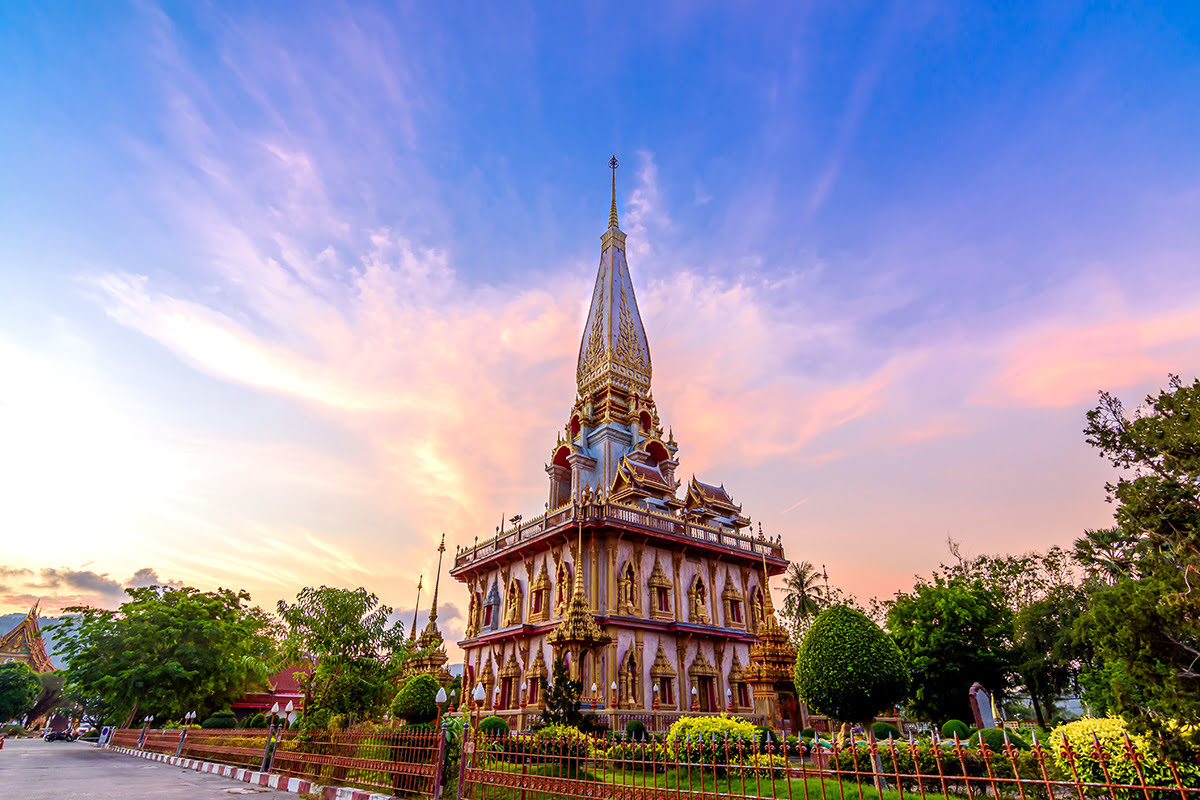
(288, 290)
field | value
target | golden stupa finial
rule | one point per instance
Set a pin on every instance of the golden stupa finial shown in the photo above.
(768, 606)
(412, 632)
(436, 580)
(612, 209)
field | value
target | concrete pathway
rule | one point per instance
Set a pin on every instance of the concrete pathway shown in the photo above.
(31, 769)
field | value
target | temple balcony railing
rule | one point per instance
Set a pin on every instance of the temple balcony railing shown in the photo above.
(625, 515)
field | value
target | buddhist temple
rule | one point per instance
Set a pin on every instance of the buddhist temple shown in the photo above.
(24, 643)
(658, 603)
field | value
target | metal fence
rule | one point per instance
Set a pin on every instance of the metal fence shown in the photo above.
(391, 760)
(541, 768)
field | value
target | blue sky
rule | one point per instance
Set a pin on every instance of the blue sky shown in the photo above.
(310, 277)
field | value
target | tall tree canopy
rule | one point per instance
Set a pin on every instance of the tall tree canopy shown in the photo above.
(167, 650)
(19, 690)
(1144, 630)
(345, 636)
(952, 634)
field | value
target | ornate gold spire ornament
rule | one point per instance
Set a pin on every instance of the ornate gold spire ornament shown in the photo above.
(578, 632)
(436, 580)
(612, 209)
(432, 659)
(412, 631)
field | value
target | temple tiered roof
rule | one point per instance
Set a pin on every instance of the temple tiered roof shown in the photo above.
(24, 643)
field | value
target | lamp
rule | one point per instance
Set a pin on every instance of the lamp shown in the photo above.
(524, 689)
(289, 712)
(477, 696)
(729, 698)
(440, 698)
(612, 694)
(695, 699)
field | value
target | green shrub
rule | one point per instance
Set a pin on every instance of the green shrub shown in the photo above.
(417, 699)
(765, 737)
(955, 726)
(885, 730)
(258, 720)
(496, 726)
(1111, 733)
(808, 733)
(848, 668)
(635, 730)
(220, 719)
(994, 739)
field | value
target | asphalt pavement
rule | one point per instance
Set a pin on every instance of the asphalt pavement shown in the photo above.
(31, 769)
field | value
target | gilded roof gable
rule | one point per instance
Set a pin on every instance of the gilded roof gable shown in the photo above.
(24, 643)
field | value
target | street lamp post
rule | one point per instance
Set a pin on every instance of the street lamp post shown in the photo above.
(729, 699)
(478, 696)
(695, 699)
(440, 698)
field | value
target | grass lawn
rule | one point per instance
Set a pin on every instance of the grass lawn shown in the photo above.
(679, 783)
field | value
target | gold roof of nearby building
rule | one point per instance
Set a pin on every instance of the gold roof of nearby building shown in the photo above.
(24, 643)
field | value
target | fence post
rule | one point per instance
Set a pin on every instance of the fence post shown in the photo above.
(438, 762)
(467, 749)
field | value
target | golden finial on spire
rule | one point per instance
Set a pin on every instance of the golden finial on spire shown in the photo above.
(612, 209)
(436, 580)
(412, 632)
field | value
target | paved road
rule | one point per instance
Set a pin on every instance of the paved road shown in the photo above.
(31, 769)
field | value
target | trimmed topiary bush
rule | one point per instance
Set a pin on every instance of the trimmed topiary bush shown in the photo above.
(494, 726)
(635, 730)
(994, 738)
(258, 720)
(808, 733)
(955, 726)
(417, 700)
(885, 730)
(220, 719)
(848, 668)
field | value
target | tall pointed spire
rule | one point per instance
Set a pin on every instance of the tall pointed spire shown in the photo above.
(614, 352)
(412, 632)
(436, 580)
(612, 209)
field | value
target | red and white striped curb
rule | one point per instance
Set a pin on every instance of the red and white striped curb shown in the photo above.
(270, 780)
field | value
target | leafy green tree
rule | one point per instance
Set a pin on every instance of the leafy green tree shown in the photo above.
(1144, 630)
(1108, 555)
(354, 651)
(51, 696)
(848, 668)
(167, 650)
(952, 634)
(416, 700)
(1045, 650)
(19, 690)
(563, 698)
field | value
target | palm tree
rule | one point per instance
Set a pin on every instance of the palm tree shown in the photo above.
(803, 594)
(1108, 553)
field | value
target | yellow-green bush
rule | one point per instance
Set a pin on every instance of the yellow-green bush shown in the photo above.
(1082, 736)
(705, 728)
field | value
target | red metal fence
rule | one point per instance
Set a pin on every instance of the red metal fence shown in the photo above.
(541, 768)
(391, 760)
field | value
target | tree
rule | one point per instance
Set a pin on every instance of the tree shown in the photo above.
(354, 651)
(952, 634)
(167, 650)
(416, 702)
(802, 595)
(1107, 555)
(562, 698)
(51, 695)
(19, 690)
(848, 668)
(1144, 629)
(1045, 651)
